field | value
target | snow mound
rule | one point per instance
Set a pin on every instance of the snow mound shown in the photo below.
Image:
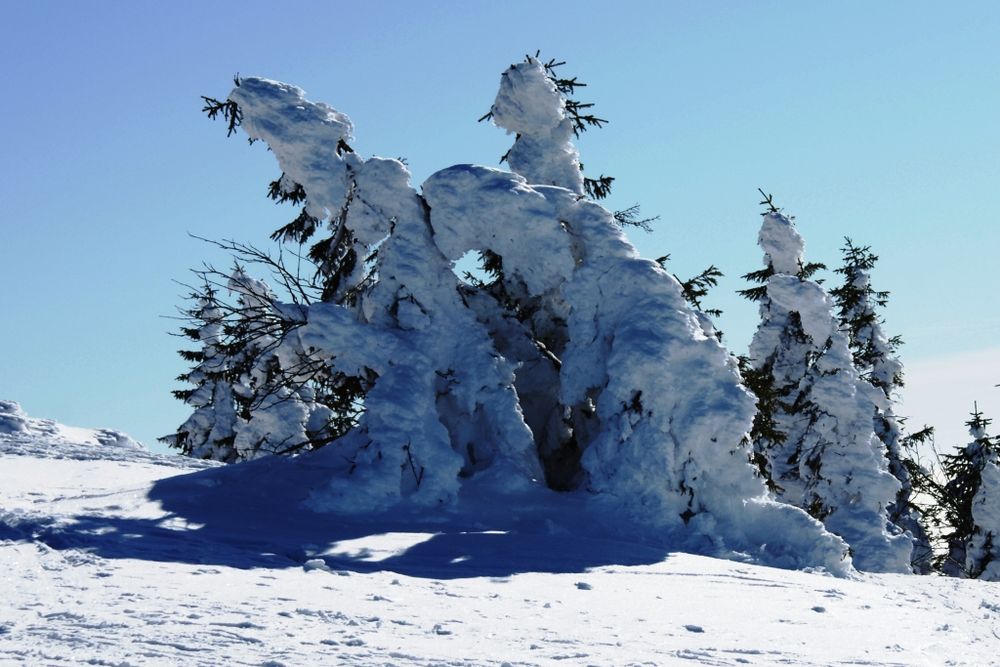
(15, 424)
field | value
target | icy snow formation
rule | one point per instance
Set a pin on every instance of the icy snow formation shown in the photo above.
(443, 403)
(667, 411)
(529, 105)
(654, 405)
(831, 460)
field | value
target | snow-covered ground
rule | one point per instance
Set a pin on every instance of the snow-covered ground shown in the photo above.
(111, 555)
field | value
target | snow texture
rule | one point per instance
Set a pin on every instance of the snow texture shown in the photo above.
(668, 415)
(17, 427)
(115, 556)
(831, 461)
(529, 106)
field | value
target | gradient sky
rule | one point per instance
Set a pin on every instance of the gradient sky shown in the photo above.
(878, 121)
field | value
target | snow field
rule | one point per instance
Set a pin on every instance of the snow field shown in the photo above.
(97, 570)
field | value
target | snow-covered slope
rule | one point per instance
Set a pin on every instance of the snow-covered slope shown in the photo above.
(115, 556)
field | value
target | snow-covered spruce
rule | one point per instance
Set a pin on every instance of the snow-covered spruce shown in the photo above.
(654, 404)
(970, 500)
(982, 558)
(443, 404)
(824, 455)
(211, 429)
(875, 358)
(279, 411)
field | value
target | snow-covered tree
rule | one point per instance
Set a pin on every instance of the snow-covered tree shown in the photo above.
(280, 412)
(982, 558)
(817, 440)
(266, 398)
(650, 402)
(580, 354)
(969, 503)
(210, 431)
(876, 360)
(442, 403)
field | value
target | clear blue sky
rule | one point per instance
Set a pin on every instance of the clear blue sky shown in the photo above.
(880, 121)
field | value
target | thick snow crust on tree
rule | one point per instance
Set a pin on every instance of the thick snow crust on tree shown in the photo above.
(831, 461)
(443, 403)
(529, 106)
(878, 363)
(662, 416)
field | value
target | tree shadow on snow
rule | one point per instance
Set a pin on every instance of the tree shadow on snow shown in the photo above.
(251, 515)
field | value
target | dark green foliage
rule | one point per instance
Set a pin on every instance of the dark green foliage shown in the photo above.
(856, 302)
(631, 217)
(597, 188)
(768, 202)
(228, 109)
(696, 288)
(764, 430)
(944, 491)
(963, 472)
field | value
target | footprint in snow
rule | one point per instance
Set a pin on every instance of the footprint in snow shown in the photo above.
(818, 609)
(584, 586)
(694, 628)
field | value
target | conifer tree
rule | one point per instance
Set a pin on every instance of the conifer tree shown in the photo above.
(633, 402)
(759, 378)
(982, 559)
(965, 502)
(209, 433)
(276, 401)
(875, 358)
(815, 435)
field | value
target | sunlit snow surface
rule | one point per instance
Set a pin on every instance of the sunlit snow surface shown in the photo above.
(111, 555)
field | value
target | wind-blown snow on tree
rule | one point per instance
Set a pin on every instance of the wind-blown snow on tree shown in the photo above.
(651, 404)
(825, 457)
(443, 404)
(654, 404)
(876, 360)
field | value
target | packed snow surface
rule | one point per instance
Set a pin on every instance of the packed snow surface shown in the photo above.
(115, 556)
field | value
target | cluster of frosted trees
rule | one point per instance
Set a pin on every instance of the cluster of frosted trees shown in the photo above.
(569, 362)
